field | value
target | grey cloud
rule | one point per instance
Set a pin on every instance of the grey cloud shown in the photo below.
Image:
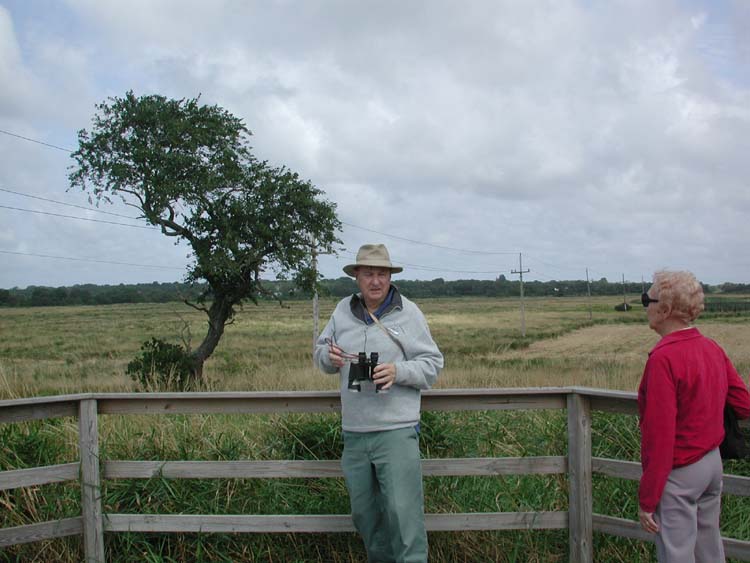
(577, 132)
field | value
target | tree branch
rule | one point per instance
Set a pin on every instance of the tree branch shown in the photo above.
(185, 330)
(194, 306)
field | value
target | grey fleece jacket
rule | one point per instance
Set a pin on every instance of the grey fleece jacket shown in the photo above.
(417, 366)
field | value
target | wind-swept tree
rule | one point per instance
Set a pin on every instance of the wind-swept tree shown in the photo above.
(188, 168)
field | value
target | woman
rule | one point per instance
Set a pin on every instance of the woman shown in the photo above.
(687, 380)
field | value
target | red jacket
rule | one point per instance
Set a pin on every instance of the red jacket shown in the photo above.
(687, 380)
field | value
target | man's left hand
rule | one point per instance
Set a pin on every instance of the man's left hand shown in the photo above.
(384, 375)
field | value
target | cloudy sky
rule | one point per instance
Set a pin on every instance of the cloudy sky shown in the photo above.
(613, 136)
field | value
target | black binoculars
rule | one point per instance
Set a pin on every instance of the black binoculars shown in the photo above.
(363, 370)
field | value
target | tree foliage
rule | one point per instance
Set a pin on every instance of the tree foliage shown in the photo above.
(189, 170)
(162, 366)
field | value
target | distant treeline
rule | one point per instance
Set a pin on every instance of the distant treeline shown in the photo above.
(89, 294)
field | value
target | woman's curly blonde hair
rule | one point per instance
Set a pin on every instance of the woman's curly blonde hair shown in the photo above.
(681, 291)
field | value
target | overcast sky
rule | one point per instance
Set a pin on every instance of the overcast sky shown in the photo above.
(613, 136)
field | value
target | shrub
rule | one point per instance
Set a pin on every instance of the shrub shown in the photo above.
(162, 366)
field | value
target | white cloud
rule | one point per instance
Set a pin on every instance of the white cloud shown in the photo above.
(611, 134)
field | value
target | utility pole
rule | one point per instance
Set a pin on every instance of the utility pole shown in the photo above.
(316, 331)
(624, 299)
(521, 272)
(588, 293)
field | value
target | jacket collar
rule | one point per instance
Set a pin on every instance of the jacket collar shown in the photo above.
(357, 305)
(676, 336)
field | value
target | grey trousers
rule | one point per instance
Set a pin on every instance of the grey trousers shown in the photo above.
(688, 513)
(383, 473)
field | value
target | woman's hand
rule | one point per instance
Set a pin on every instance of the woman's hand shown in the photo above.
(647, 521)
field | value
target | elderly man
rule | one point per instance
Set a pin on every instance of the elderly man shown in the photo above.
(380, 414)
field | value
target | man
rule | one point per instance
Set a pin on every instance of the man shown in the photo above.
(381, 421)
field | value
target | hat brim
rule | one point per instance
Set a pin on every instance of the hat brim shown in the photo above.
(350, 269)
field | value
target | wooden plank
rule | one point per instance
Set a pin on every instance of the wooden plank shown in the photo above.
(207, 403)
(42, 531)
(31, 477)
(184, 523)
(621, 405)
(217, 405)
(496, 521)
(736, 549)
(631, 470)
(37, 411)
(495, 401)
(596, 392)
(580, 496)
(620, 527)
(736, 485)
(46, 400)
(542, 465)
(91, 493)
(322, 468)
(211, 395)
(221, 469)
(617, 468)
(281, 395)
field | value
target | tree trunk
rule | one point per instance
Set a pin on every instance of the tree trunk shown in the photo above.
(218, 315)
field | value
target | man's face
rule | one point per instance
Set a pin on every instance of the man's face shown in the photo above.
(374, 284)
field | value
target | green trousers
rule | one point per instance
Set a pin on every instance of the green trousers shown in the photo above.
(383, 473)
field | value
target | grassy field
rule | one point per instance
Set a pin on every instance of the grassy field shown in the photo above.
(66, 350)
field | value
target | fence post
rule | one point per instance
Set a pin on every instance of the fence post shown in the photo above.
(580, 499)
(91, 497)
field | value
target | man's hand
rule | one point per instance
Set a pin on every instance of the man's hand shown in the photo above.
(647, 521)
(335, 354)
(385, 375)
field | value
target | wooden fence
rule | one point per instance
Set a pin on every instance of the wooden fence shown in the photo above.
(579, 465)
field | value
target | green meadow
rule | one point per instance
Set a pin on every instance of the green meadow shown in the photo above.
(59, 350)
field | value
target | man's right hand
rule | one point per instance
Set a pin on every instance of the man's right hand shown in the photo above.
(336, 355)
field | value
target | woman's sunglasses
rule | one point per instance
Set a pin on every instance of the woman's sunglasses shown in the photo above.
(645, 299)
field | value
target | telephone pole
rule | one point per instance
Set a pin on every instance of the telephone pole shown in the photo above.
(588, 293)
(316, 331)
(521, 272)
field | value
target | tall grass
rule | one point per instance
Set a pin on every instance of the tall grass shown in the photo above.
(66, 350)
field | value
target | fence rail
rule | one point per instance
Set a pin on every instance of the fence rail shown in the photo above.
(90, 470)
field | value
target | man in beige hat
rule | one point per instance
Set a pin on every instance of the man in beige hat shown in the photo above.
(380, 345)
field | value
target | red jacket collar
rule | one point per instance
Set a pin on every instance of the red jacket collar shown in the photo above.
(676, 336)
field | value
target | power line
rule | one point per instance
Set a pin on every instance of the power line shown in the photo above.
(90, 260)
(414, 266)
(464, 250)
(68, 204)
(538, 274)
(74, 217)
(348, 224)
(442, 247)
(35, 141)
(568, 268)
(556, 267)
(467, 251)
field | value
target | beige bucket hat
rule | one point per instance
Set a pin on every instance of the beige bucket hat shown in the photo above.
(374, 255)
